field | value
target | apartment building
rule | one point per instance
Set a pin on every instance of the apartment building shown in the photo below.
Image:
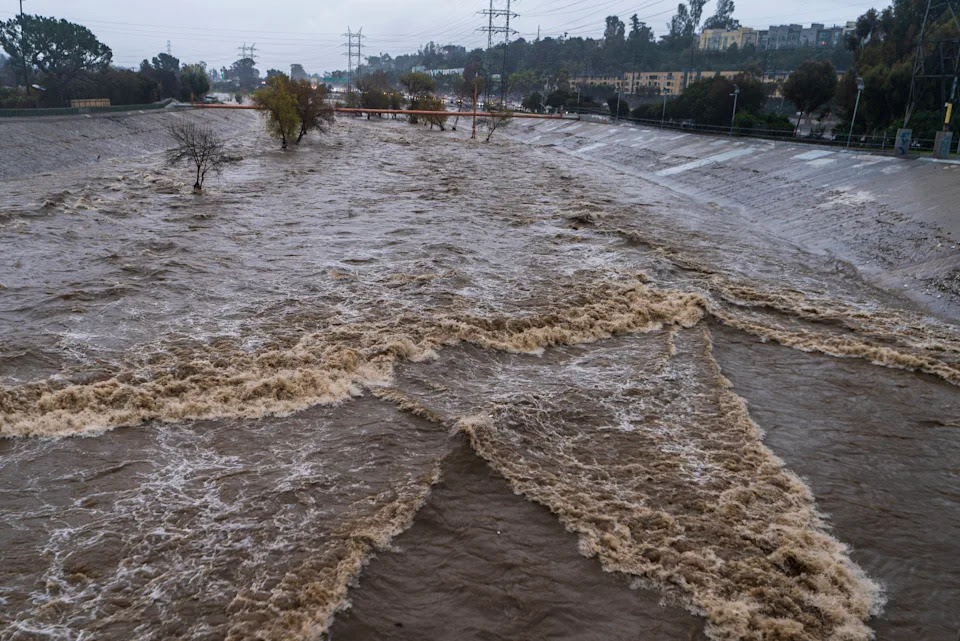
(668, 83)
(723, 39)
(793, 36)
(617, 82)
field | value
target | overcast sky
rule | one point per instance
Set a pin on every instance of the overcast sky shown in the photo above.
(309, 32)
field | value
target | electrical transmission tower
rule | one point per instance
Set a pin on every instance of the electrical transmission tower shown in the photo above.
(353, 40)
(169, 49)
(938, 58)
(498, 21)
(248, 52)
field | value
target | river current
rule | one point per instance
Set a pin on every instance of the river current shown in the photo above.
(399, 384)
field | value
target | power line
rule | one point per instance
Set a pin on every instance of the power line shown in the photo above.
(498, 21)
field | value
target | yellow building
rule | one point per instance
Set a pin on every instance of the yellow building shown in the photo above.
(722, 39)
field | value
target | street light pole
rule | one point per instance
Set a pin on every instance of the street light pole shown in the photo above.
(23, 52)
(733, 118)
(855, 108)
(617, 117)
(663, 114)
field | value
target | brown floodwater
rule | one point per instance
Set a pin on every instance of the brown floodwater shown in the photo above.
(397, 384)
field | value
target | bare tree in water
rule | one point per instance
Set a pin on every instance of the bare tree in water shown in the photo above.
(200, 145)
(499, 117)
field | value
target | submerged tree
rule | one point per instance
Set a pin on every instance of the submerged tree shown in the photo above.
(200, 145)
(311, 106)
(279, 107)
(432, 103)
(499, 118)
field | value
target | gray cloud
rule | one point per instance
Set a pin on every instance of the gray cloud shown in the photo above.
(297, 31)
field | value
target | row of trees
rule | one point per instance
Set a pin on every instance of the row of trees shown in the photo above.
(710, 101)
(625, 46)
(56, 61)
(885, 44)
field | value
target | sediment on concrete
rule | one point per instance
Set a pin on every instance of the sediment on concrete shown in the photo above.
(33, 146)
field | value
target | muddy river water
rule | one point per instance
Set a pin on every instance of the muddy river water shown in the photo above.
(401, 385)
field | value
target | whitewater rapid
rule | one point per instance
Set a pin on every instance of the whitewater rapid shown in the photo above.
(278, 375)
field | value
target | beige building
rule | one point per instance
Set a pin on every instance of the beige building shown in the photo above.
(616, 82)
(667, 83)
(721, 39)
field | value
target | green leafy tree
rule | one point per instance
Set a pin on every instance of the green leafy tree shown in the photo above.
(810, 86)
(8, 75)
(418, 84)
(279, 109)
(615, 32)
(709, 101)
(121, 87)
(164, 69)
(195, 82)
(297, 72)
(374, 99)
(59, 50)
(431, 103)
(245, 72)
(722, 17)
(374, 81)
(313, 110)
(533, 102)
(618, 106)
(397, 101)
(523, 82)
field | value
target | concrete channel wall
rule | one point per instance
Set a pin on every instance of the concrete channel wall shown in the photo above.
(30, 146)
(897, 221)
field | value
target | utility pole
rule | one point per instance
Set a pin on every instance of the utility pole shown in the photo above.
(937, 58)
(23, 50)
(474, 135)
(855, 108)
(733, 118)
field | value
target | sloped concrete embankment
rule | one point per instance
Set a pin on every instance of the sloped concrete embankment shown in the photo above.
(896, 221)
(30, 146)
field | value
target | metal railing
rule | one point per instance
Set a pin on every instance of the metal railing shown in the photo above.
(77, 111)
(882, 143)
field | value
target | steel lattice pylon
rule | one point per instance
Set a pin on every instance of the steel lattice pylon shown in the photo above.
(937, 58)
(494, 13)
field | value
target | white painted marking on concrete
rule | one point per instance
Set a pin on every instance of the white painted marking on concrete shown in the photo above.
(820, 162)
(812, 155)
(696, 164)
(941, 160)
(591, 147)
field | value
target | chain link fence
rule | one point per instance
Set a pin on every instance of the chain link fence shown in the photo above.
(76, 111)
